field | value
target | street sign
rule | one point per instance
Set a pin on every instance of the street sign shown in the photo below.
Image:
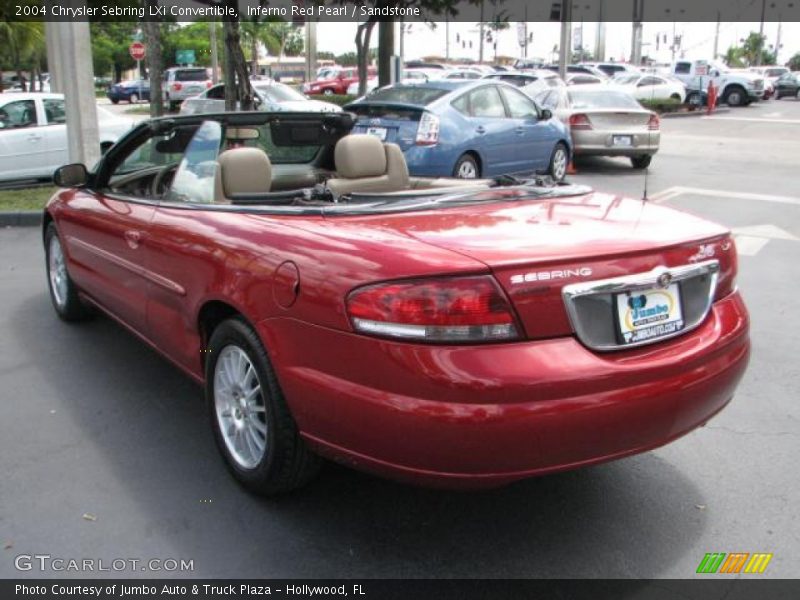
(185, 57)
(137, 50)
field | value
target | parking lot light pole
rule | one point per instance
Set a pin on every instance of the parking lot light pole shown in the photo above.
(566, 36)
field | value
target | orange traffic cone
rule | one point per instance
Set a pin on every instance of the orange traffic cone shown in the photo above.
(571, 170)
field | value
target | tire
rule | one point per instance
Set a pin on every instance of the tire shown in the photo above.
(558, 162)
(467, 167)
(133, 99)
(328, 92)
(269, 457)
(736, 96)
(675, 97)
(114, 101)
(641, 162)
(63, 292)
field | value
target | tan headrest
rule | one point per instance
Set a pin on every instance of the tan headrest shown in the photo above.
(359, 155)
(245, 171)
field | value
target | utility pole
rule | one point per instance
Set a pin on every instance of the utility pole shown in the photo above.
(480, 32)
(564, 52)
(73, 42)
(212, 28)
(760, 54)
(311, 50)
(778, 42)
(636, 32)
(446, 38)
(716, 39)
(600, 41)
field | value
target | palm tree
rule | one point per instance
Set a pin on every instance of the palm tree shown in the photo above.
(22, 47)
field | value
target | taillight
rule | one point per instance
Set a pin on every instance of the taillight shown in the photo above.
(453, 309)
(728, 267)
(428, 130)
(579, 121)
(208, 84)
(653, 124)
(177, 87)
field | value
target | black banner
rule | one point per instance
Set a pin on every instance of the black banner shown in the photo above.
(718, 588)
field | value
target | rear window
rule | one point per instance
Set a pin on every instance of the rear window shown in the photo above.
(417, 95)
(191, 75)
(602, 99)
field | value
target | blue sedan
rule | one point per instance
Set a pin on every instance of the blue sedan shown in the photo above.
(465, 129)
(129, 91)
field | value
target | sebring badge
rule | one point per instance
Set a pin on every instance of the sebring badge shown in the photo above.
(550, 275)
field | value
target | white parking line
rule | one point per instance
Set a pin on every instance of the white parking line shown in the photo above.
(679, 190)
(754, 120)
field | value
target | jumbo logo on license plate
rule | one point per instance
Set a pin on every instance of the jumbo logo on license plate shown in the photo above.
(649, 314)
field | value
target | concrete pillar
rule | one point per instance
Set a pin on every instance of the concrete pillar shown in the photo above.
(565, 45)
(53, 57)
(74, 44)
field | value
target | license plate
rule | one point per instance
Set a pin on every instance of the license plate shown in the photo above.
(622, 140)
(378, 132)
(646, 315)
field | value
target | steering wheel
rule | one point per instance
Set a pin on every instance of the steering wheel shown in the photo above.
(158, 180)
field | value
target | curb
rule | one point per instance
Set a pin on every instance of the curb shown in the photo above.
(694, 113)
(21, 218)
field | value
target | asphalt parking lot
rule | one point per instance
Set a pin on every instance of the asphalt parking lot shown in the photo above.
(105, 451)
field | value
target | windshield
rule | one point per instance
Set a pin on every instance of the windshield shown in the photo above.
(328, 74)
(191, 75)
(418, 95)
(278, 92)
(601, 99)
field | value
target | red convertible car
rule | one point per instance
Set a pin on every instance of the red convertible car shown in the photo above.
(451, 333)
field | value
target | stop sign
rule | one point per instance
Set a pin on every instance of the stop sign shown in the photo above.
(137, 50)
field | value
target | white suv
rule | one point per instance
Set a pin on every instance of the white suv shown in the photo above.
(183, 82)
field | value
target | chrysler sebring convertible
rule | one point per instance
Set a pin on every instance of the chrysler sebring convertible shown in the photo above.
(437, 331)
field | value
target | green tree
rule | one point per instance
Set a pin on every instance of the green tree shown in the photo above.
(22, 48)
(110, 41)
(754, 47)
(794, 62)
(733, 57)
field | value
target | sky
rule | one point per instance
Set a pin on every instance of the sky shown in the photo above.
(698, 39)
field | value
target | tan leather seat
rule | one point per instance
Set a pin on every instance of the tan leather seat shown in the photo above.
(242, 171)
(365, 164)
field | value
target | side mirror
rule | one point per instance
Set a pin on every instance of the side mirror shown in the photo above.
(715, 73)
(546, 114)
(74, 175)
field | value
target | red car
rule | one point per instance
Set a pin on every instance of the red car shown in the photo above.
(451, 333)
(337, 83)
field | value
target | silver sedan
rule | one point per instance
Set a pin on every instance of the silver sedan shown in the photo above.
(605, 122)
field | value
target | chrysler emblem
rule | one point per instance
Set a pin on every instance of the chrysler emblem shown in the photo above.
(664, 280)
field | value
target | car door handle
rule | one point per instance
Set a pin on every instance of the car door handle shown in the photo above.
(480, 129)
(133, 238)
(34, 137)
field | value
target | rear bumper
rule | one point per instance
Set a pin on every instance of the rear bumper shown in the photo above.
(588, 143)
(484, 416)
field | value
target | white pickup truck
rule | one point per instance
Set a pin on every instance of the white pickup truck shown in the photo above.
(735, 88)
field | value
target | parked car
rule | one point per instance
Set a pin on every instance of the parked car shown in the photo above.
(612, 69)
(788, 84)
(651, 87)
(531, 80)
(271, 96)
(582, 68)
(462, 74)
(462, 340)
(734, 88)
(465, 129)
(605, 122)
(336, 81)
(184, 82)
(409, 76)
(129, 91)
(584, 79)
(33, 134)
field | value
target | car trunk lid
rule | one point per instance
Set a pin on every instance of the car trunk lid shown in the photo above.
(390, 122)
(536, 247)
